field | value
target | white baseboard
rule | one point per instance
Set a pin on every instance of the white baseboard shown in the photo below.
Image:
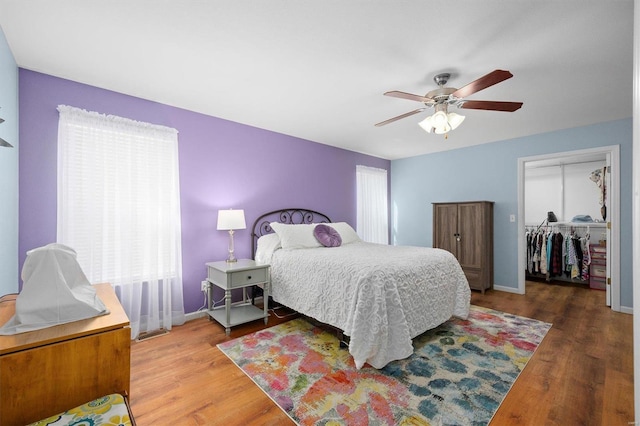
(506, 289)
(194, 315)
(626, 310)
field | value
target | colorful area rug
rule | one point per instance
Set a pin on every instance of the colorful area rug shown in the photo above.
(458, 375)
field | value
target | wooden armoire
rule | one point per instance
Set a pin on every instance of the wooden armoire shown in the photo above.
(466, 230)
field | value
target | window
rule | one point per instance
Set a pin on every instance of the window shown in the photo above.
(119, 208)
(372, 211)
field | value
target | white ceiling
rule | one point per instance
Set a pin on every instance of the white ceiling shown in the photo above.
(317, 69)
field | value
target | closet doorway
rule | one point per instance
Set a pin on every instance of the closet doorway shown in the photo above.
(561, 204)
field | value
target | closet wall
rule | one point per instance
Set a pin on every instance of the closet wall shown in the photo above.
(566, 189)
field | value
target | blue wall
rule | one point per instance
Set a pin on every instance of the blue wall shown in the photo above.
(8, 170)
(490, 172)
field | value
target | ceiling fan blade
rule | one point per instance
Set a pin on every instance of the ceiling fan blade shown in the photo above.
(5, 143)
(492, 105)
(400, 117)
(410, 96)
(482, 83)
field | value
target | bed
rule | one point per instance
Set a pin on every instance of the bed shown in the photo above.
(380, 296)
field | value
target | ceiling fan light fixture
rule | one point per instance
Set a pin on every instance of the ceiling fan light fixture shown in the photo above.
(439, 119)
(442, 130)
(441, 123)
(455, 120)
(427, 124)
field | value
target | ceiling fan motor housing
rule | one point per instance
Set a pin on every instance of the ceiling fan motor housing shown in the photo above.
(441, 95)
(441, 79)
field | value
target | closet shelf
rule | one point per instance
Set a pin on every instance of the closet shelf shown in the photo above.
(592, 224)
(574, 224)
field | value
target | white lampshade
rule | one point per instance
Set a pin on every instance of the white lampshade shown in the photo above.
(455, 120)
(441, 122)
(436, 123)
(427, 124)
(439, 119)
(231, 219)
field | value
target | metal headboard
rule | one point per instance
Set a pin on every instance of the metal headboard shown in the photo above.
(262, 225)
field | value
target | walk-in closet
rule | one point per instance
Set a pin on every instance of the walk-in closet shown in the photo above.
(566, 206)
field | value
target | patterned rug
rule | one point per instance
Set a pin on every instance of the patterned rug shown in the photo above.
(458, 375)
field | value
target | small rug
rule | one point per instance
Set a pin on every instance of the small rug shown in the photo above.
(459, 372)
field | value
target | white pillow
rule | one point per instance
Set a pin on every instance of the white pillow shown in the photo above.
(347, 233)
(267, 245)
(296, 236)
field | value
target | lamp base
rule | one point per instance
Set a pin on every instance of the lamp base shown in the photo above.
(232, 257)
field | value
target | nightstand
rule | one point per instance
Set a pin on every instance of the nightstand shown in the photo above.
(232, 275)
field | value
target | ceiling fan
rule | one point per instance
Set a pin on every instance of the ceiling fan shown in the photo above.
(442, 121)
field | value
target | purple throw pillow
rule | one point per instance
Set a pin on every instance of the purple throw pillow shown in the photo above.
(327, 236)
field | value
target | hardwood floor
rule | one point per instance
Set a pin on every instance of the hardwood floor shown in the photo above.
(581, 374)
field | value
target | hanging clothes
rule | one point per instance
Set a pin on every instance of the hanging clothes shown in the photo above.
(576, 267)
(598, 176)
(586, 259)
(555, 254)
(543, 253)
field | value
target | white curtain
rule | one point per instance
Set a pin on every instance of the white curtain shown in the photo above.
(372, 210)
(119, 208)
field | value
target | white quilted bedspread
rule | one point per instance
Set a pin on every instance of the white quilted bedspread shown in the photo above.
(381, 296)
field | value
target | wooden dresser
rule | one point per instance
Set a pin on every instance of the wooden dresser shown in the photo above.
(48, 371)
(466, 230)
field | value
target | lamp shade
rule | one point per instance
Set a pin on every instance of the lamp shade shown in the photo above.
(231, 219)
(427, 124)
(455, 120)
(439, 119)
(441, 122)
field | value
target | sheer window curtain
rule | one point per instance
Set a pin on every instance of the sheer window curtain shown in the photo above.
(372, 207)
(119, 208)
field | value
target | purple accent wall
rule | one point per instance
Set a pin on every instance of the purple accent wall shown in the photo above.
(222, 165)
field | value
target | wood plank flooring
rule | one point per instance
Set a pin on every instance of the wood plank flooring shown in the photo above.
(582, 373)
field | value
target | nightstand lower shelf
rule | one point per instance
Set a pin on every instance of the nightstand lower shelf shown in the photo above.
(238, 314)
